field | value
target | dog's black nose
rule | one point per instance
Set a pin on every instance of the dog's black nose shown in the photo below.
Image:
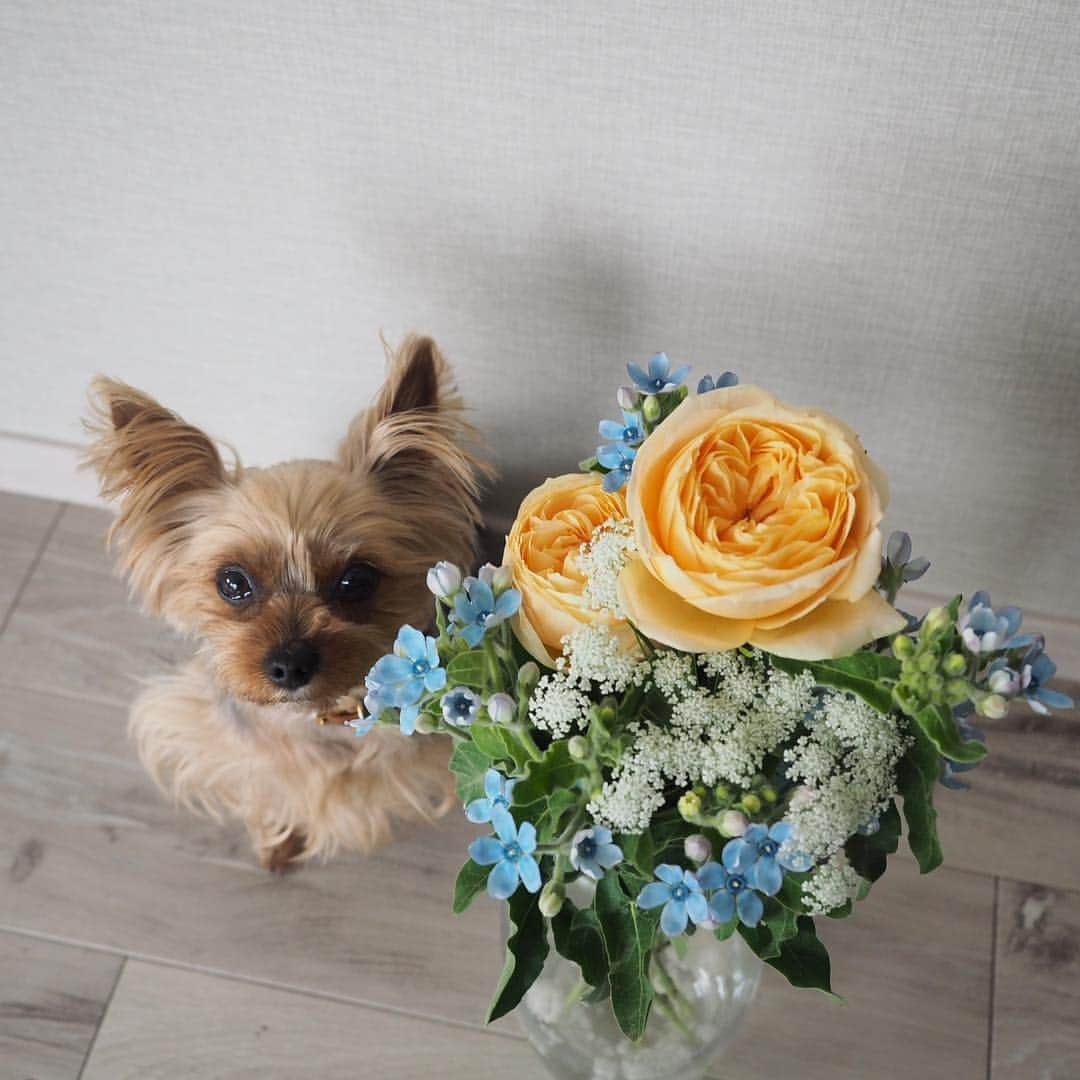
(292, 665)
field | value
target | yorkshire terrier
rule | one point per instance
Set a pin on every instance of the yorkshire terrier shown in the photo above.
(292, 580)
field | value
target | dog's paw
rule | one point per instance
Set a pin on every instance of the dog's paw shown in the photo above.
(280, 857)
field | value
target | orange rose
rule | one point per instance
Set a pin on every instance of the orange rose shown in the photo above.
(756, 522)
(543, 549)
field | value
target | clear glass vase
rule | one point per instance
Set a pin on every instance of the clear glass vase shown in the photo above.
(710, 984)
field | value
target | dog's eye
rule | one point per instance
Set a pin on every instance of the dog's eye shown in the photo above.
(235, 585)
(357, 582)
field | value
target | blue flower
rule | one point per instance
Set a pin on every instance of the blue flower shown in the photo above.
(592, 852)
(630, 432)
(476, 609)
(619, 458)
(510, 853)
(897, 557)
(460, 706)
(984, 631)
(1037, 669)
(659, 378)
(362, 724)
(398, 680)
(497, 791)
(758, 854)
(680, 893)
(708, 383)
(734, 893)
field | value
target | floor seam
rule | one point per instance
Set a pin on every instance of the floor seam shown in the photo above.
(993, 981)
(253, 980)
(104, 1014)
(34, 562)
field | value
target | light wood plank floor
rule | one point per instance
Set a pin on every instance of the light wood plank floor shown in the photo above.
(136, 941)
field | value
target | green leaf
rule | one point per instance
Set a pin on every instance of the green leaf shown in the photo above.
(802, 959)
(471, 881)
(547, 812)
(722, 933)
(556, 769)
(864, 674)
(468, 669)
(790, 894)
(526, 950)
(469, 763)
(638, 851)
(868, 855)
(578, 938)
(628, 934)
(500, 744)
(778, 924)
(917, 775)
(940, 728)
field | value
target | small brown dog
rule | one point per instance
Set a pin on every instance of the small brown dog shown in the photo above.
(293, 580)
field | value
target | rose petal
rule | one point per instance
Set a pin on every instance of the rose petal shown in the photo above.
(836, 628)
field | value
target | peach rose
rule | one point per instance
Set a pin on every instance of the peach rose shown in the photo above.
(542, 550)
(756, 522)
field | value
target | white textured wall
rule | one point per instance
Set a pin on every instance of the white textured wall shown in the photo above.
(873, 207)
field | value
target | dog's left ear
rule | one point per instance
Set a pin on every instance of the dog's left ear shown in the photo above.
(415, 424)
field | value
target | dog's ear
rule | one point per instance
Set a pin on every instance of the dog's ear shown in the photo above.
(411, 441)
(157, 467)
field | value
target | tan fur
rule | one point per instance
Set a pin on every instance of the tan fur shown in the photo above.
(218, 734)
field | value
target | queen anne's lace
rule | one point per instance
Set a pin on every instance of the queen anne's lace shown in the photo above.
(602, 560)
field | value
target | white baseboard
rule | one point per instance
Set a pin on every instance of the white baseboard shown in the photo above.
(46, 468)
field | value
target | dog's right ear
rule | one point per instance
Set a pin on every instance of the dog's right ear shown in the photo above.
(157, 467)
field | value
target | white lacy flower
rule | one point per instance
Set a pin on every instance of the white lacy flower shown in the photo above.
(831, 885)
(848, 761)
(602, 559)
(558, 706)
(673, 674)
(593, 655)
(714, 735)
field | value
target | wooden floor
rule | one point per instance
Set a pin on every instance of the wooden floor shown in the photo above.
(139, 942)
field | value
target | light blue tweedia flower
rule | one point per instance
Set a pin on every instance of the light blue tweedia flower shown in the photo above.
(398, 680)
(708, 383)
(460, 706)
(1036, 670)
(680, 893)
(631, 432)
(476, 609)
(984, 630)
(511, 855)
(497, 793)
(619, 458)
(897, 555)
(659, 379)
(734, 894)
(593, 853)
(758, 854)
(362, 724)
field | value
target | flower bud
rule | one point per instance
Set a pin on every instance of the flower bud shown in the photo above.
(957, 690)
(1003, 681)
(928, 662)
(935, 683)
(627, 398)
(501, 708)
(697, 848)
(954, 664)
(444, 580)
(734, 823)
(993, 706)
(552, 896)
(499, 578)
(578, 748)
(651, 408)
(425, 724)
(690, 806)
(903, 647)
(722, 792)
(937, 619)
(528, 675)
(751, 803)
(768, 793)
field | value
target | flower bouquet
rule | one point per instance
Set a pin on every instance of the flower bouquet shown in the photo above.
(690, 689)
